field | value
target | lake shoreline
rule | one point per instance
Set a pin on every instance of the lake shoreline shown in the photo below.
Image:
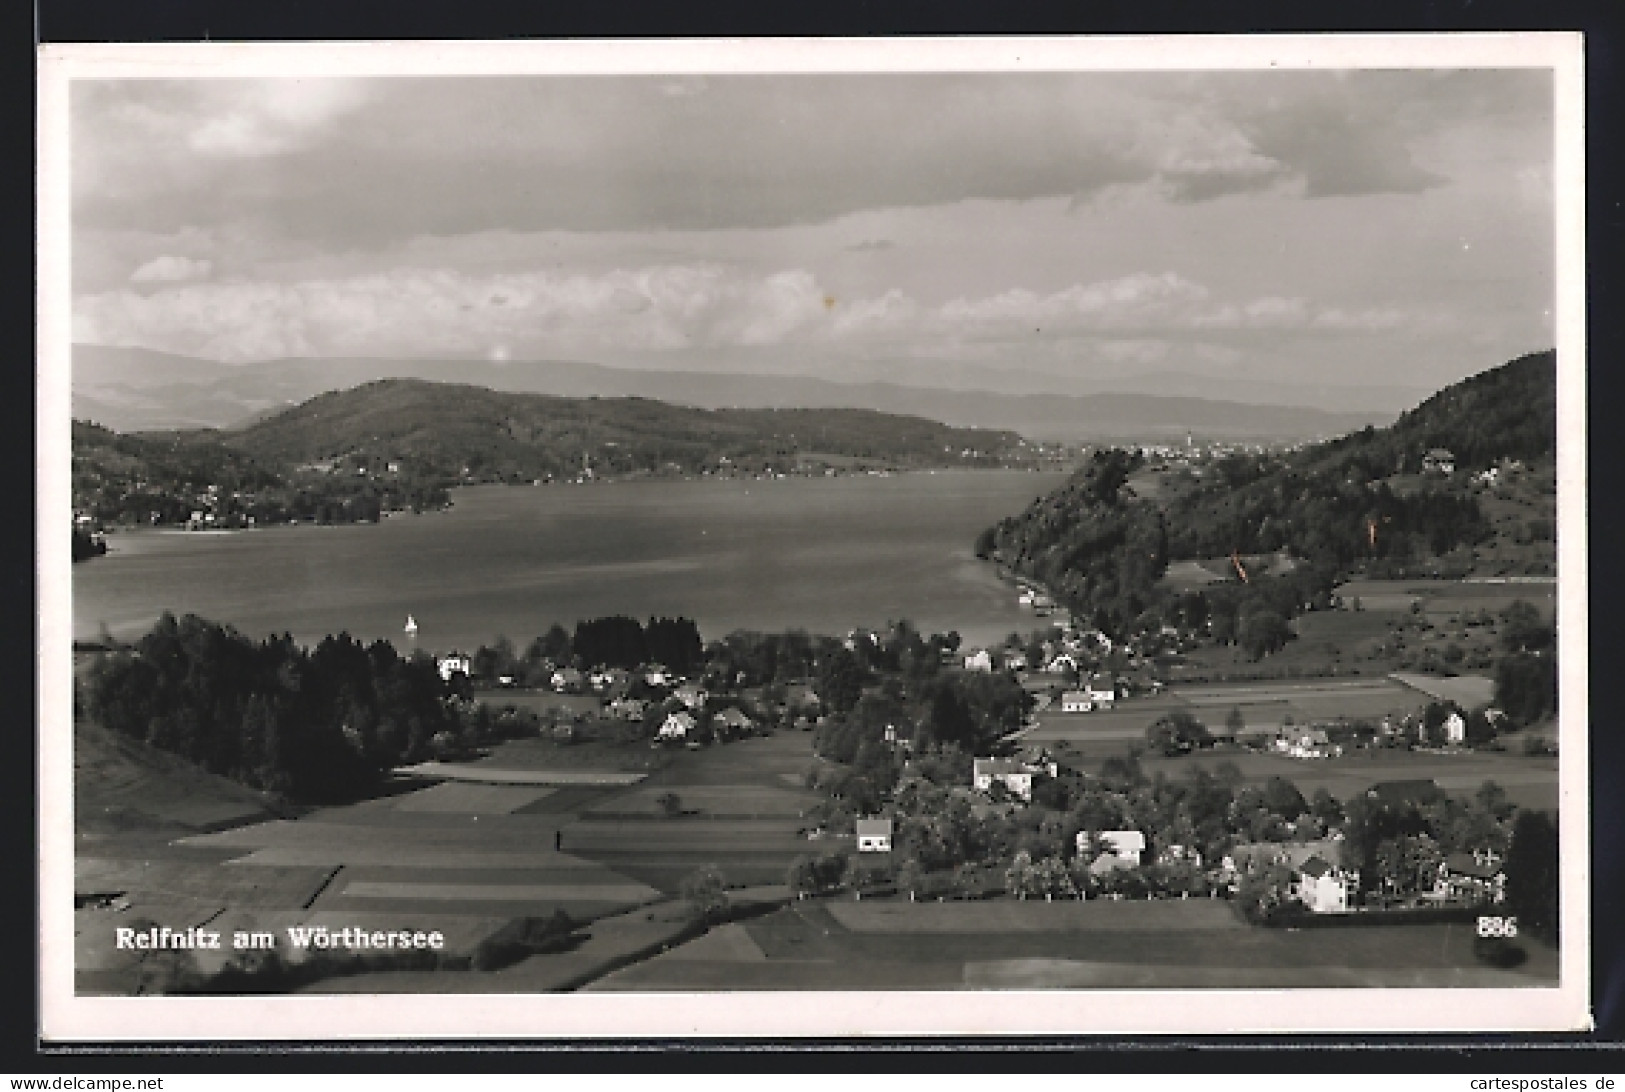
(732, 553)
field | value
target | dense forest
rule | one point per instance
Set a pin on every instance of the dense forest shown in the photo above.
(1358, 501)
(319, 724)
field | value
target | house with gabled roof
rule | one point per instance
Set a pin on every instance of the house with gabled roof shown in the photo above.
(678, 725)
(1476, 877)
(874, 835)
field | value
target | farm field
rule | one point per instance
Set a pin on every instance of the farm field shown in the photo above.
(1264, 706)
(1468, 691)
(492, 773)
(472, 799)
(469, 855)
(609, 942)
(1013, 945)
(719, 801)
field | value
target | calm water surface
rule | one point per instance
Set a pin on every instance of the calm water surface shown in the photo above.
(820, 554)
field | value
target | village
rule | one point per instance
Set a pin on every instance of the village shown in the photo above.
(1060, 801)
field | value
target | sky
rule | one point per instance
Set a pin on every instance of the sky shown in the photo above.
(1333, 227)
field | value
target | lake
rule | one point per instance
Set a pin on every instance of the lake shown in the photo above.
(822, 554)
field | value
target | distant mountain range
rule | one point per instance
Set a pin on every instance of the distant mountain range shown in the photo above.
(131, 389)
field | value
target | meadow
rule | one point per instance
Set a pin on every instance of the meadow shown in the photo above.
(1007, 944)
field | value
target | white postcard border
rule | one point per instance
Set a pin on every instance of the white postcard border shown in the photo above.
(65, 1017)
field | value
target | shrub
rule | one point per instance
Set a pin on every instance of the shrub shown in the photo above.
(525, 937)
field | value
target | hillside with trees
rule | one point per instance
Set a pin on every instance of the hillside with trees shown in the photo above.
(1356, 504)
(471, 431)
(398, 444)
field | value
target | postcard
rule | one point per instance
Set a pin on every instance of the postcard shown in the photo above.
(797, 538)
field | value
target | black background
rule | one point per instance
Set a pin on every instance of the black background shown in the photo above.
(374, 20)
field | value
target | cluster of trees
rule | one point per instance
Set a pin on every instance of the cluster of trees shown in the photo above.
(1097, 548)
(616, 641)
(1526, 673)
(317, 725)
(1398, 847)
(620, 641)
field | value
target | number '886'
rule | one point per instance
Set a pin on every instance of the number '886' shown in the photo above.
(1497, 927)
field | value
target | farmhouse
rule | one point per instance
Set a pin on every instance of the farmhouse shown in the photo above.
(657, 675)
(731, 722)
(1125, 845)
(677, 725)
(980, 660)
(1255, 856)
(450, 665)
(1307, 743)
(874, 835)
(1076, 701)
(1061, 664)
(1438, 460)
(1322, 886)
(1015, 659)
(1474, 877)
(691, 696)
(1016, 776)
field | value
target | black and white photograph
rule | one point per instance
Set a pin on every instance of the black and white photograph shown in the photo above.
(813, 537)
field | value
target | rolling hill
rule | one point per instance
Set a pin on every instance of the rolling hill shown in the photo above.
(138, 389)
(1359, 501)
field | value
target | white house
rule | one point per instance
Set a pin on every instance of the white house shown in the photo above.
(677, 725)
(452, 664)
(1101, 689)
(1474, 877)
(1015, 776)
(874, 835)
(1061, 664)
(657, 675)
(567, 678)
(1015, 659)
(980, 660)
(1125, 845)
(1322, 886)
(1076, 701)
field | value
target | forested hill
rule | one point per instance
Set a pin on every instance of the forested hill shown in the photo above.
(1358, 502)
(402, 443)
(502, 434)
(1509, 412)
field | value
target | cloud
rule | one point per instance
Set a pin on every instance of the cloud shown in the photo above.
(871, 245)
(663, 308)
(363, 163)
(170, 268)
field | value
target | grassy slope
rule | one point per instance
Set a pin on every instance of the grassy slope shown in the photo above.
(123, 788)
